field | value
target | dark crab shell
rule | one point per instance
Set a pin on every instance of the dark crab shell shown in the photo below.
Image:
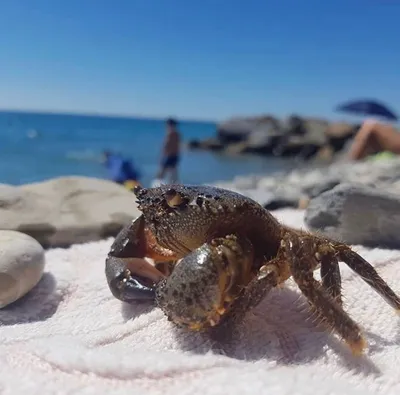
(183, 217)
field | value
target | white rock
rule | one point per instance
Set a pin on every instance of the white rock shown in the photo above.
(63, 211)
(268, 183)
(22, 262)
(246, 182)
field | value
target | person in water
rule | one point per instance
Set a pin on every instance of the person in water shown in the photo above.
(170, 152)
(121, 170)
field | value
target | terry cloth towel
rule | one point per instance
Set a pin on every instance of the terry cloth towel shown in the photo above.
(70, 336)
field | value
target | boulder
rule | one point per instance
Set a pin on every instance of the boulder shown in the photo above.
(339, 134)
(357, 214)
(296, 147)
(261, 142)
(63, 211)
(211, 144)
(238, 129)
(304, 138)
(320, 187)
(22, 262)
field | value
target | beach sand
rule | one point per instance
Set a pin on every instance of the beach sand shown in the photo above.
(69, 335)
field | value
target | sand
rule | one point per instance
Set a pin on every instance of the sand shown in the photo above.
(69, 335)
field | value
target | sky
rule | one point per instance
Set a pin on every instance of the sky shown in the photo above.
(208, 59)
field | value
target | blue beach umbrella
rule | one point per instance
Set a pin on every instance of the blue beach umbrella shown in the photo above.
(367, 108)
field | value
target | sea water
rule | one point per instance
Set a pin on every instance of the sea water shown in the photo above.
(39, 146)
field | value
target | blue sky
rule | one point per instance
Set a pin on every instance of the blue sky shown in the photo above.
(206, 59)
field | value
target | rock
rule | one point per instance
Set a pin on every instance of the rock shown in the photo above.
(271, 199)
(339, 133)
(357, 214)
(274, 198)
(237, 129)
(315, 190)
(278, 203)
(304, 138)
(283, 196)
(299, 148)
(262, 141)
(296, 136)
(211, 144)
(22, 263)
(258, 195)
(194, 144)
(316, 129)
(321, 187)
(269, 183)
(67, 210)
(246, 182)
(294, 125)
(236, 148)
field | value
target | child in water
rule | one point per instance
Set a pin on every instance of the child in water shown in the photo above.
(121, 170)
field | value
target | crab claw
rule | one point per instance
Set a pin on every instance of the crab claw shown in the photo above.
(204, 285)
(130, 277)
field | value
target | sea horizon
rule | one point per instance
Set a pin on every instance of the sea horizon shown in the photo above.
(100, 114)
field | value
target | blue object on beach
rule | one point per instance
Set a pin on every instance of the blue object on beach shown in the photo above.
(120, 169)
(368, 108)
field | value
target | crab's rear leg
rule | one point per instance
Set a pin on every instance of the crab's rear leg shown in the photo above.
(130, 277)
(367, 272)
(300, 251)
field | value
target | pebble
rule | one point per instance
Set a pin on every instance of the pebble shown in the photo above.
(22, 262)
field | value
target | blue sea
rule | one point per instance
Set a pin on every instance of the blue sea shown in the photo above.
(36, 147)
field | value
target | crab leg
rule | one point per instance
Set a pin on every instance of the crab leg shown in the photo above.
(130, 277)
(256, 290)
(367, 272)
(302, 266)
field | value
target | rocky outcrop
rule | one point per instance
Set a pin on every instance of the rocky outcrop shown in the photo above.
(301, 137)
(66, 210)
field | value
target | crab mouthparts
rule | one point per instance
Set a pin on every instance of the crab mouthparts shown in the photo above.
(215, 318)
(212, 320)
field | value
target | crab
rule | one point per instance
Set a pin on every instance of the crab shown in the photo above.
(216, 254)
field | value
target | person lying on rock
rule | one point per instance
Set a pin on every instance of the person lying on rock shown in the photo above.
(374, 137)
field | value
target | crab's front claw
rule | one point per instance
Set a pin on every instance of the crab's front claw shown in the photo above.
(129, 276)
(205, 283)
(126, 284)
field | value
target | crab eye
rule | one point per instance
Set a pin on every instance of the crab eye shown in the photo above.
(170, 192)
(173, 198)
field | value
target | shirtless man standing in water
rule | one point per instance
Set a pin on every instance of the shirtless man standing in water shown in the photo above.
(170, 152)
